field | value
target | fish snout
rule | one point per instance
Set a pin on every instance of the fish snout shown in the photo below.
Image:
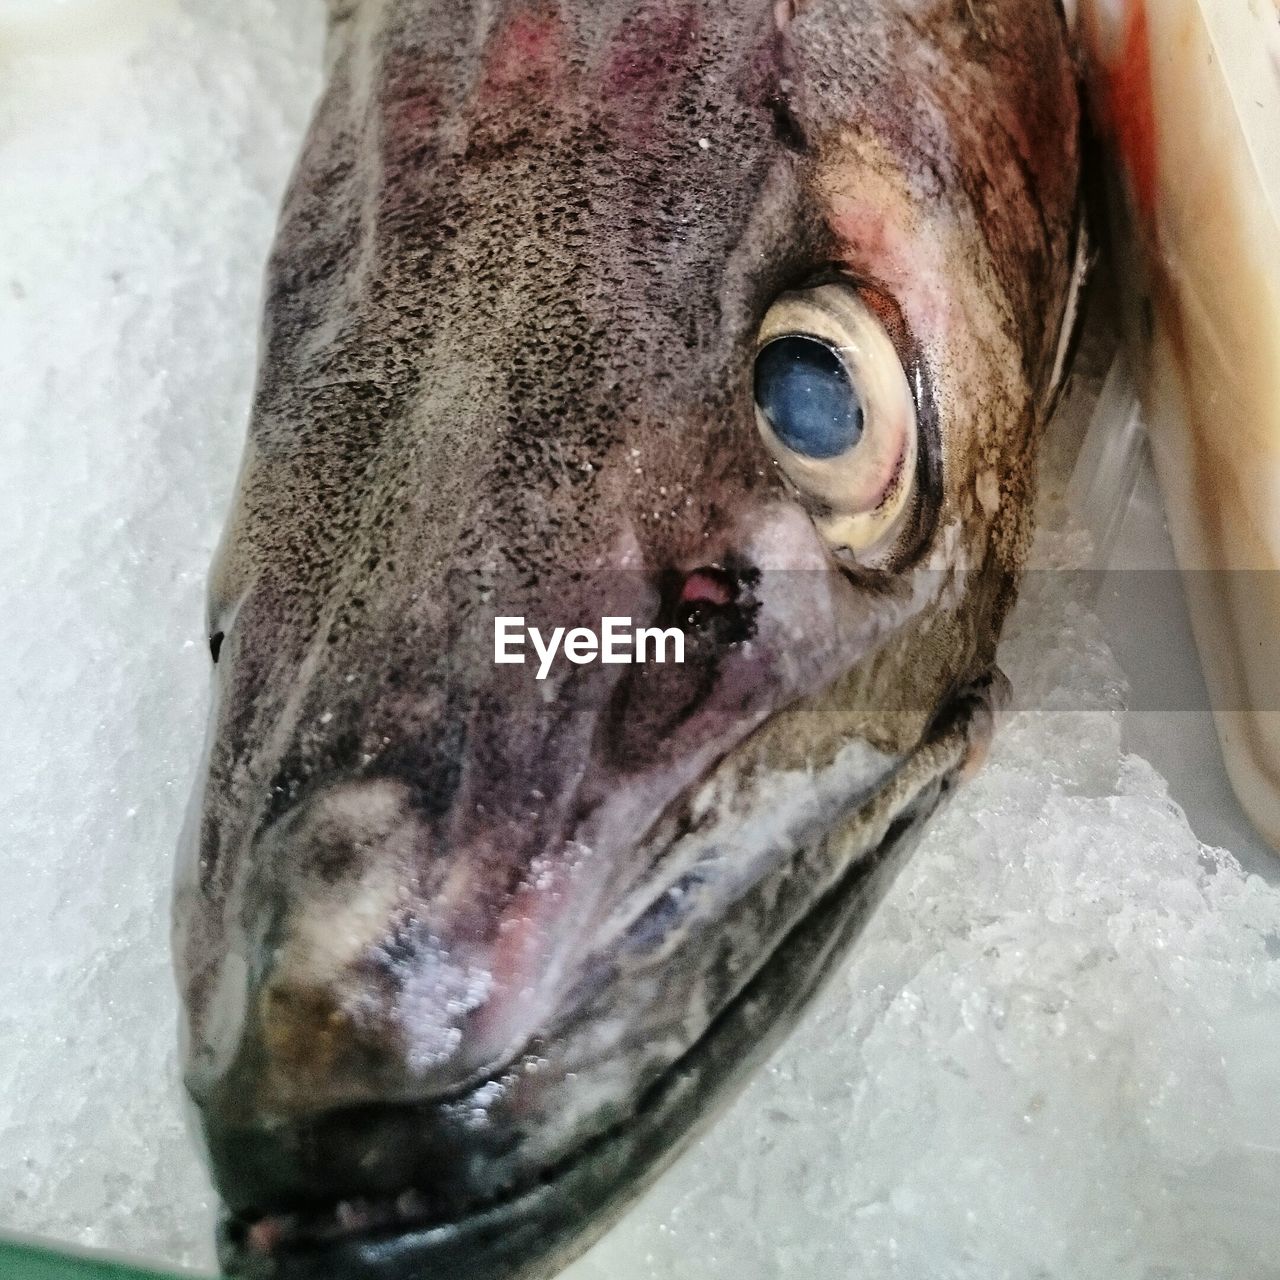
(371, 974)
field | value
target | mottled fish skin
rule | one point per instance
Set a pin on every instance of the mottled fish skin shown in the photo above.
(466, 957)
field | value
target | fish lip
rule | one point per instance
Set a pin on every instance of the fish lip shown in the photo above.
(395, 1237)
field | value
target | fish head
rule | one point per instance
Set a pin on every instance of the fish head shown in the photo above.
(737, 322)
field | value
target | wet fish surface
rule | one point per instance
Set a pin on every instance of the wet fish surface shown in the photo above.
(735, 319)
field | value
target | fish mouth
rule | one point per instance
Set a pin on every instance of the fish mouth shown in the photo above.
(533, 1227)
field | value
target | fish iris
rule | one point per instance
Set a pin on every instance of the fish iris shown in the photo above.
(806, 395)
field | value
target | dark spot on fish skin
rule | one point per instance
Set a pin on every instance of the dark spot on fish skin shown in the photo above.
(786, 128)
(898, 828)
(332, 859)
(433, 768)
(209, 847)
(397, 950)
(290, 783)
(283, 792)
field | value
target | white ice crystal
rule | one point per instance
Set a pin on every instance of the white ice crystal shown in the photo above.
(1055, 1053)
(143, 147)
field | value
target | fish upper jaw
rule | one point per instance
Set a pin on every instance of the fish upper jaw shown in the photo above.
(355, 992)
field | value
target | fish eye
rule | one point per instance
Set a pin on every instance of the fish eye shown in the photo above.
(807, 396)
(835, 408)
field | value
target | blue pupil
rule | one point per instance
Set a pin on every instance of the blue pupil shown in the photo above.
(805, 394)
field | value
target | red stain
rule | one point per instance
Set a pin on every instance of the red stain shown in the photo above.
(414, 118)
(521, 950)
(410, 105)
(409, 114)
(648, 51)
(707, 586)
(644, 67)
(528, 48)
(518, 947)
(1130, 109)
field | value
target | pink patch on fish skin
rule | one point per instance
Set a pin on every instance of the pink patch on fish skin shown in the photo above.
(531, 928)
(529, 48)
(648, 52)
(409, 115)
(413, 117)
(648, 61)
(909, 266)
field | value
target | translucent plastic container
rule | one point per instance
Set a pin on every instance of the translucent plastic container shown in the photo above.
(1187, 95)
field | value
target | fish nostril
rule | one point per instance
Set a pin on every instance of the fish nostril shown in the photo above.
(714, 602)
(215, 645)
(711, 585)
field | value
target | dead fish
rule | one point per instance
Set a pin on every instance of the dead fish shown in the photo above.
(739, 319)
